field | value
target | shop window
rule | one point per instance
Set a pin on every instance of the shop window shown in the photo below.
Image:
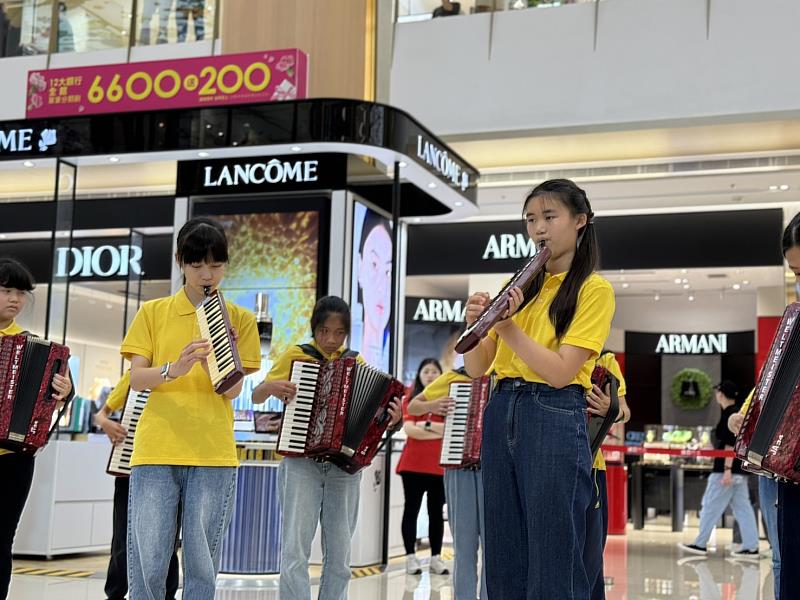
(174, 21)
(89, 25)
(25, 27)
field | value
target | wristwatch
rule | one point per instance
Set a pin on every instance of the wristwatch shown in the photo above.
(165, 372)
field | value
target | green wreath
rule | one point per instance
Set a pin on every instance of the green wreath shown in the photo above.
(691, 389)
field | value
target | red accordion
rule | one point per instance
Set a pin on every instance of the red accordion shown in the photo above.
(463, 426)
(27, 367)
(600, 426)
(769, 441)
(340, 412)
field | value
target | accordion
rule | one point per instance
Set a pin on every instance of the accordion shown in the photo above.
(769, 441)
(491, 314)
(600, 426)
(27, 368)
(340, 412)
(119, 462)
(463, 426)
(224, 365)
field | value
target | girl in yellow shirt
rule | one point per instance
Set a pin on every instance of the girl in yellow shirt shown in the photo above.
(184, 455)
(535, 458)
(16, 470)
(314, 491)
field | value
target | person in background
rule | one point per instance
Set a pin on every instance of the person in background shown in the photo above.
(194, 9)
(727, 485)
(66, 39)
(447, 9)
(421, 474)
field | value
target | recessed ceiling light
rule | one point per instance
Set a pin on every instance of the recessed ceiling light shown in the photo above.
(403, 164)
(686, 286)
(459, 203)
(625, 286)
(691, 298)
(784, 187)
(656, 297)
(736, 286)
(296, 148)
(685, 280)
(745, 282)
(684, 271)
(417, 220)
(678, 280)
(432, 185)
(114, 159)
(203, 154)
(28, 163)
(220, 134)
(772, 188)
(109, 306)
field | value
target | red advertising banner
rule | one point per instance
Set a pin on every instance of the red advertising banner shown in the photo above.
(182, 83)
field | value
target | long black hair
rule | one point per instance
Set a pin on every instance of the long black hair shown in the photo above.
(587, 254)
(418, 387)
(791, 235)
(327, 306)
(202, 239)
(13, 274)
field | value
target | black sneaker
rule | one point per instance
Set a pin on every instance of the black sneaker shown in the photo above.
(692, 549)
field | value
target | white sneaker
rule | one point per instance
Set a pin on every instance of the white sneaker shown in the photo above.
(412, 565)
(437, 566)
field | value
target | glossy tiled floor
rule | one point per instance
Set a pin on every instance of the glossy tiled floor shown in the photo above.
(642, 565)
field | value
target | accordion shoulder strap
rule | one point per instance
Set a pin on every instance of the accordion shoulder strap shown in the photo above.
(461, 371)
(314, 353)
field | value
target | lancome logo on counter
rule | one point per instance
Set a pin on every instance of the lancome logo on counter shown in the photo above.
(274, 171)
(22, 140)
(442, 163)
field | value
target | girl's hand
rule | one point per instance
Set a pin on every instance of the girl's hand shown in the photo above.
(475, 306)
(115, 432)
(598, 401)
(62, 385)
(194, 352)
(515, 300)
(395, 411)
(442, 406)
(727, 478)
(283, 390)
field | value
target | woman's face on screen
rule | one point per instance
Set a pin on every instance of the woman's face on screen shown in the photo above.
(375, 277)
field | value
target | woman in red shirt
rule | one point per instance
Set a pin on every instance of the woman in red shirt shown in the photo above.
(421, 474)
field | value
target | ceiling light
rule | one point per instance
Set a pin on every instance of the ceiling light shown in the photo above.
(684, 271)
(203, 154)
(656, 297)
(745, 282)
(295, 148)
(622, 270)
(403, 164)
(220, 134)
(208, 125)
(28, 163)
(459, 203)
(113, 159)
(625, 286)
(772, 188)
(417, 220)
(686, 286)
(685, 280)
(736, 286)
(784, 187)
(678, 280)
(432, 185)
(691, 298)
(109, 306)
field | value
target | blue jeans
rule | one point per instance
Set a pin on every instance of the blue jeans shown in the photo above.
(768, 500)
(596, 530)
(204, 496)
(537, 485)
(312, 492)
(716, 499)
(464, 493)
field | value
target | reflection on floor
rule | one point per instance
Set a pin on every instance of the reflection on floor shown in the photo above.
(641, 565)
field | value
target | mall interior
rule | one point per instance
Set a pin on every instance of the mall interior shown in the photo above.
(302, 127)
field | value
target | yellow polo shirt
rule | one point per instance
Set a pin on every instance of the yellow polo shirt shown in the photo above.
(609, 362)
(11, 329)
(282, 367)
(440, 387)
(184, 421)
(116, 399)
(589, 328)
(747, 402)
